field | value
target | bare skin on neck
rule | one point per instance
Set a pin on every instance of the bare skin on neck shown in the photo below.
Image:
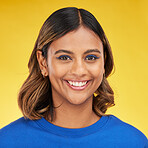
(75, 116)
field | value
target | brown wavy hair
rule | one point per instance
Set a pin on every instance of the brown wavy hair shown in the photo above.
(35, 96)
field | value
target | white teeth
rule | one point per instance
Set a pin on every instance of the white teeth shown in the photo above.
(80, 84)
(77, 83)
(84, 83)
(70, 82)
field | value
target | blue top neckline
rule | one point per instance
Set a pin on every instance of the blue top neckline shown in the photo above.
(75, 132)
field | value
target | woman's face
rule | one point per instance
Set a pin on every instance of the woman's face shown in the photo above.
(75, 66)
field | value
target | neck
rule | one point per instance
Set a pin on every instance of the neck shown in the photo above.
(75, 116)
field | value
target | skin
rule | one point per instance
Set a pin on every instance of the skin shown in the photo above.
(76, 109)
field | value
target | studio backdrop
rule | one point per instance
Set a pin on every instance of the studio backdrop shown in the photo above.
(126, 26)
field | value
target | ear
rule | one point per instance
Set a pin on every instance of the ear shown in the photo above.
(42, 63)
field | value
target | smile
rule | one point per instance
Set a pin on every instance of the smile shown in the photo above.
(77, 85)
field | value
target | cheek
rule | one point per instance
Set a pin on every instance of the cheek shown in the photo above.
(56, 70)
(97, 69)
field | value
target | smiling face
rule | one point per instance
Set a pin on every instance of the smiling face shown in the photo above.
(75, 66)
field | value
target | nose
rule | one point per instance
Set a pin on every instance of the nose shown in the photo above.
(78, 68)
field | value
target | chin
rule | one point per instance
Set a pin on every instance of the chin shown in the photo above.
(77, 101)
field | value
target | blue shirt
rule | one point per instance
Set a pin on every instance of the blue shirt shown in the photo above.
(108, 132)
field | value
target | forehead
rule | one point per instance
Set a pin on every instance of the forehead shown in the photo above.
(78, 40)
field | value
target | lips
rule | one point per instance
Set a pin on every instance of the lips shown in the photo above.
(77, 85)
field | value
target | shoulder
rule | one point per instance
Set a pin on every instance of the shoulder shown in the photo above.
(126, 131)
(14, 131)
(14, 126)
(121, 125)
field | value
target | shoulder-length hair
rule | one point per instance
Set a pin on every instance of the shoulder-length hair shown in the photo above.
(35, 96)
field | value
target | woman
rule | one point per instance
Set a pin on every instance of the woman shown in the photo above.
(66, 95)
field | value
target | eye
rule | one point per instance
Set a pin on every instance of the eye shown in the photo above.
(91, 57)
(64, 57)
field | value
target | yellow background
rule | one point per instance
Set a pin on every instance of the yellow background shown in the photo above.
(126, 26)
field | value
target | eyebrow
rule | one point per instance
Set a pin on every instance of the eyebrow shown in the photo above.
(70, 52)
(92, 50)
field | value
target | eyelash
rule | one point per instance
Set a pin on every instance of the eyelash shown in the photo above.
(60, 57)
(69, 58)
(93, 56)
